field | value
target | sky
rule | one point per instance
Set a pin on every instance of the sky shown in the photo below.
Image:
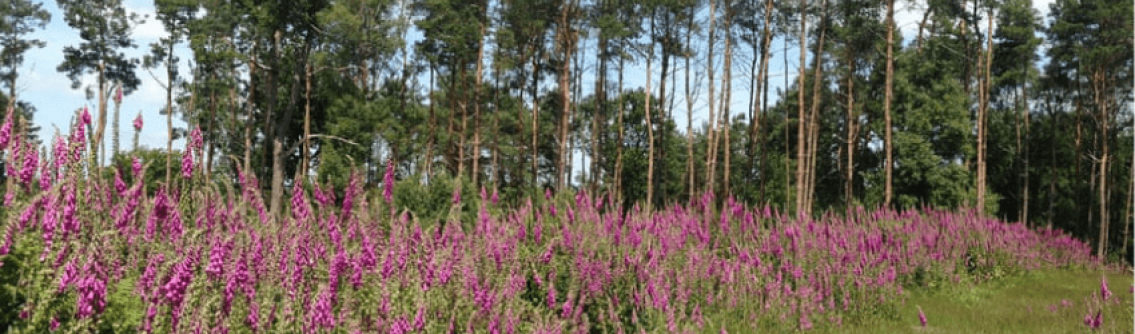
(50, 91)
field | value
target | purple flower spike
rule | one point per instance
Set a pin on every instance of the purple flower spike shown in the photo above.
(921, 317)
(388, 182)
(138, 122)
(187, 164)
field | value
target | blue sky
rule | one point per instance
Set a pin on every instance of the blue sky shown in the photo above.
(50, 91)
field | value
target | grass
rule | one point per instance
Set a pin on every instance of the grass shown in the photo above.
(1018, 304)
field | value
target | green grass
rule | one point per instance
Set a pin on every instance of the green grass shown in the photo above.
(1017, 304)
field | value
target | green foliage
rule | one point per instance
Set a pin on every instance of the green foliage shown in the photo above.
(432, 203)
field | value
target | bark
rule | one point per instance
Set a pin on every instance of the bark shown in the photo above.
(619, 139)
(428, 165)
(535, 124)
(727, 88)
(306, 123)
(477, 110)
(600, 111)
(814, 128)
(1025, 191)
(767, 40)
(1101, 101)
(801, 121)
(567, 45)
(691, 188)
(649, 124)
(888, 192)
(247, 167)
(852, 131)
(983, 114)
(711, 133)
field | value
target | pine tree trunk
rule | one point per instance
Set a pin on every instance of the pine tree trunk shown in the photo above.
(801, 120)
(711, 133)
(889, 163)
(1025, 191)
(727, 88)
(1101, 87)
(814, 128)
(691, 188)
(649, 124)
(852, 125)
(247, 167)
(619, 143)
(477, 110)
(766, 40)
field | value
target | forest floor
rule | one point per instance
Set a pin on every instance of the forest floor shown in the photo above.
(1047, 301)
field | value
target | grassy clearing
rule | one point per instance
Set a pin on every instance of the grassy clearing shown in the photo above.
(1031, 303)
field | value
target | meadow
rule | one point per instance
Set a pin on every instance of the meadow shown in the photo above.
(85, 253)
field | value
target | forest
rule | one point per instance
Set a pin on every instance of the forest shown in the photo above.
(563, 165)
(988, 105)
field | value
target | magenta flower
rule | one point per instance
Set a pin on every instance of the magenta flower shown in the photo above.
(138, 122)
(921, 317)
(187, 164)
(388, 182)
(6, 131)
(1104, 292)
(300, 210)
(86, 116)
(197, 141)
(456, 194)
(118, 95)
(136, 164)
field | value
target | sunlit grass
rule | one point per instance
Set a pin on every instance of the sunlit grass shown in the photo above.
(1020, 304)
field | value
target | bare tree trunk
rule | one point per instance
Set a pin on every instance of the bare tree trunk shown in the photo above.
(1052, 152)
(619, 144)
(1100, 86)
(691, 189)
(247, 167)
(801, 120)
(477, 110)
(306, 123)
(1025, 191)
(433, 125)
(711, 132)
(727, 88)
(535, 123)
(814, 127)
(1128, 219)
(566, 44)
(852, 131)
(889, 164)
(649, 123)
(766, 40)
(600, 110)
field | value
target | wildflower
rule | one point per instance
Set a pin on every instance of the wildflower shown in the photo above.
(300, 210)
(6, 131)
(187, 164)
(196, 140)
(92, 293)
(136, 164)
(54, 324)
(118, 95)
(138, 122)
(86, 116)
(921, 317)
(31, 162)
(456, 194)
(388, 182)
(1104, 292)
